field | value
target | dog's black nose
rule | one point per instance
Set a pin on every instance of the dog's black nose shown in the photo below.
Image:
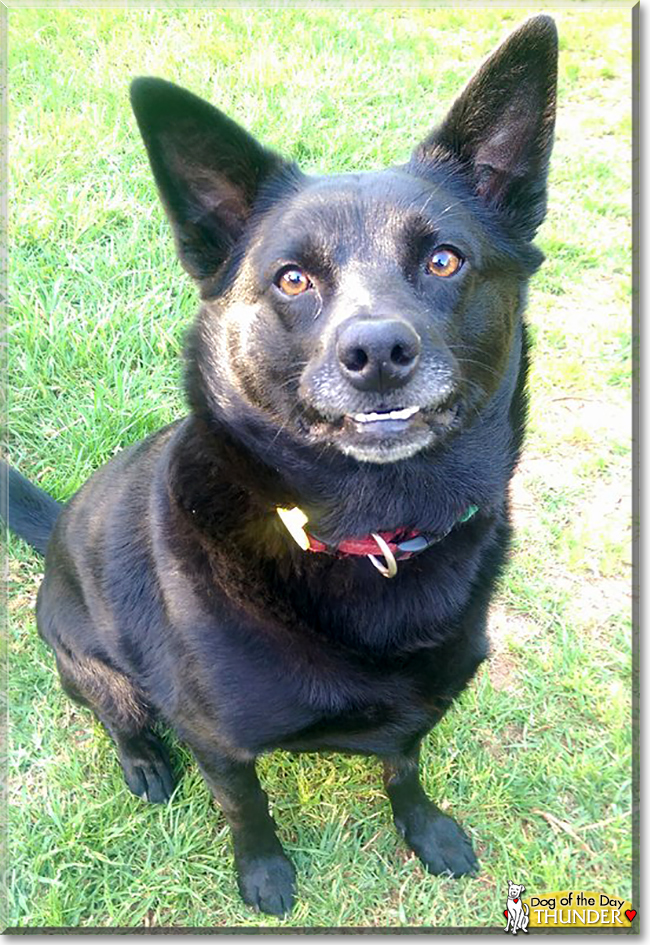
(378, 353)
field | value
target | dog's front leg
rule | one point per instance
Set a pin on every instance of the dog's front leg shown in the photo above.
(265, 874)
(436, 839)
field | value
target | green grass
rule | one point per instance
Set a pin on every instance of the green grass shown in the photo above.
(99, 307)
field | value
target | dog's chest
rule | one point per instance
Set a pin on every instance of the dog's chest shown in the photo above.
(337, 705)
(383, 727)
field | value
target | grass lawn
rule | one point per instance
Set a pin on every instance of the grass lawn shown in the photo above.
(535, 759)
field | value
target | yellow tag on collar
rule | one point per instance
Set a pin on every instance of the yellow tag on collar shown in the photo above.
(294, 521)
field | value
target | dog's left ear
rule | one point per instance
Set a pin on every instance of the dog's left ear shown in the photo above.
(501, 126)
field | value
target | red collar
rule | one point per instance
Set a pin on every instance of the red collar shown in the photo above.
(397, 545)
(367, 546)
(392, 546)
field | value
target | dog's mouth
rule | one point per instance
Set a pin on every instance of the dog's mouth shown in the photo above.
(381, 420)
(397, 421)
(387, 435)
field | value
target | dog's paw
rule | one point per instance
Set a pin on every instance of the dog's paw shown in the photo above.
(438, 841)
(267, 882)
(147, 770)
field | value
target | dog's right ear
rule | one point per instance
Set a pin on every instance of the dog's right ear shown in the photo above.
(207, 168)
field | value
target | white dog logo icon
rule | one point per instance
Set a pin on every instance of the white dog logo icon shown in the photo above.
(517, 911)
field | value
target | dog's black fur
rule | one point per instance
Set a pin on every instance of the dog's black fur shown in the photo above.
(172, 589)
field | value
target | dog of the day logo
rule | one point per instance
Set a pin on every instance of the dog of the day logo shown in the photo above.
(516, 912)
(575, 908)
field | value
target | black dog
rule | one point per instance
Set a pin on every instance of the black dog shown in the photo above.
(306, 561)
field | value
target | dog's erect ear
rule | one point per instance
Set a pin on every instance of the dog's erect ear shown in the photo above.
(208, 170)
(500, 128)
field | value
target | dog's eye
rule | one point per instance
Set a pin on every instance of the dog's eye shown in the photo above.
(293, 281)
(444, 262)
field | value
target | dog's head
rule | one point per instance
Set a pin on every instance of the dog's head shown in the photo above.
(514, 890)
(371, 313)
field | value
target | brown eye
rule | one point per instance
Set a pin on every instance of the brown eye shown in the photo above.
(444, 262)
(293, 281)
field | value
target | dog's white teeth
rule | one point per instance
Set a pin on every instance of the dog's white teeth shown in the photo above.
(403, 414)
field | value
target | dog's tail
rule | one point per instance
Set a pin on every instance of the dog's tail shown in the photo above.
(27, 510)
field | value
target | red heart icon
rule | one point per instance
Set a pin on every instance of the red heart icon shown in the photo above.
(515, 900)
(505, 912)
(630, 913)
